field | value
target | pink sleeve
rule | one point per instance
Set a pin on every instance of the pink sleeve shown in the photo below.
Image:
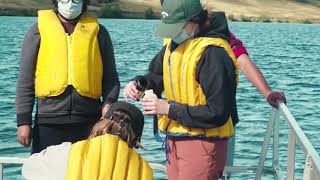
(237, 46)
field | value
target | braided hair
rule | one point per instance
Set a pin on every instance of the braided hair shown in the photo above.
(119, 124)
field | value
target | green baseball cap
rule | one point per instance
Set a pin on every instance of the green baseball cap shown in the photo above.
(175, 14)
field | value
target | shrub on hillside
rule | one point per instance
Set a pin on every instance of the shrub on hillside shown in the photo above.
(149, 14)
(111, 11)
(264, 19)
(244, 18)
(306, 21)
(231, 17)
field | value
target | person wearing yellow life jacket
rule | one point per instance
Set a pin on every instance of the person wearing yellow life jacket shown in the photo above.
(67, 66)
(197, 71)
(107, 154)
(254, 75)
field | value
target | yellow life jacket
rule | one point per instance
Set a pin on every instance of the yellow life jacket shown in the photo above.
(166, 41)
(106, 157)
(181, 86)
(68, 60)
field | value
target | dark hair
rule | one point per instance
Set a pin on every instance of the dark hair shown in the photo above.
(84, 7)
(202, 20)
(119, 124)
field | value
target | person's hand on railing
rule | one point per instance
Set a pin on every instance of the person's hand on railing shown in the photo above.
(24, 135)
(274, 97)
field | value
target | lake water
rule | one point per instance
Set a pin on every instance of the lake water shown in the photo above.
(287, 54)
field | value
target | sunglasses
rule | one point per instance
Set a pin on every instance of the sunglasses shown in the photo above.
(67, 1)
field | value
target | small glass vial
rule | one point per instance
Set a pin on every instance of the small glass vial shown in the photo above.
(142, 86)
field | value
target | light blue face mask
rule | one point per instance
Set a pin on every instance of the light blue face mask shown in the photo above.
(183, 36)
(70, 10)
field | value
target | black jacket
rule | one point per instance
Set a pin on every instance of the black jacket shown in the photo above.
(216, 75)
(69, 107)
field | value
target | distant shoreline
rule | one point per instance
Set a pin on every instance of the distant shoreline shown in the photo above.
(112, 10)
(17, 12)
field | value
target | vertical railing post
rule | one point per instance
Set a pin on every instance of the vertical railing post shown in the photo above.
(266, 141)
(275, 162)
(307, 172)
(291, 156)
(231, 151)
(1, 171)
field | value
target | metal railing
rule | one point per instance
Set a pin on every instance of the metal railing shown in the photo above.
(9, 160)
(295, 137)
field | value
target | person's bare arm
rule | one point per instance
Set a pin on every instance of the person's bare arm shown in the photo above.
(252, 72)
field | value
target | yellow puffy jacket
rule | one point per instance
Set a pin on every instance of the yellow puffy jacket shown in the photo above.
(68, 60)
(181, 86)
(106, 157)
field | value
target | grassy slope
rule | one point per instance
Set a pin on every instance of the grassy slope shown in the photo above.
(275, 10)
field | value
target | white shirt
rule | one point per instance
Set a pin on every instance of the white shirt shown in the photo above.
(49, 164)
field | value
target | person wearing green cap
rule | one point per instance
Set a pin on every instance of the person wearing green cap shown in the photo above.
(253, 74)
(197, 72)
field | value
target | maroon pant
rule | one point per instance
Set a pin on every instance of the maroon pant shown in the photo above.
(196, 159)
